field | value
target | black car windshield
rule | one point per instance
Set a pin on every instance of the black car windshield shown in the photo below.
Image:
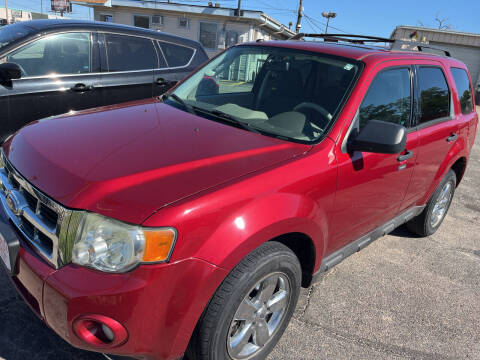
(12, 33)
(275, 91)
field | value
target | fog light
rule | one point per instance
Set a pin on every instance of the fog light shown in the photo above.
(108, 333)
(100, 331)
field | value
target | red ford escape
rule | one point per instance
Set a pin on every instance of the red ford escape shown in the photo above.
(188, 224)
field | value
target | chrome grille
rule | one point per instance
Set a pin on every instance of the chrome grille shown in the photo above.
(35, 215)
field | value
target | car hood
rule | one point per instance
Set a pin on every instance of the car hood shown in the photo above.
(126, 162)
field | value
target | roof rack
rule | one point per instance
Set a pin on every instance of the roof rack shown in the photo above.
(352, 38)
(362, 39)
(411, 45)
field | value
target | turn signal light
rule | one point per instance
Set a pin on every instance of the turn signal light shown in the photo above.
(159, 244)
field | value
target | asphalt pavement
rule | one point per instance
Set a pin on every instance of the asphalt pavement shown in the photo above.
(402, 297)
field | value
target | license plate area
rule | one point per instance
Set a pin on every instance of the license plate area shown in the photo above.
(9, 246)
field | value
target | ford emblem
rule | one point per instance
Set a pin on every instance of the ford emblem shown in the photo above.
(12, 203)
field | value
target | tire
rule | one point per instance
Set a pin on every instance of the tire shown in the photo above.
(428, 222)
(228, 313)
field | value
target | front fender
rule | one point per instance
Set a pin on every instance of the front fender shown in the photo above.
(262, 220)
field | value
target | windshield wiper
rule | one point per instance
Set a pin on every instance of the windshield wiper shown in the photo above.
(179, 100)
(228, 118)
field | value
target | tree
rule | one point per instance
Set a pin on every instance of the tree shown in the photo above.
(441, 22)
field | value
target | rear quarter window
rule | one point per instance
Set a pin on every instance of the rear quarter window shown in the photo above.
(434, 94)
(176, 55)
(464, 89)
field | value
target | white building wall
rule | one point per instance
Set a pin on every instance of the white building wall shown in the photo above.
(171, 25)
(25, 15)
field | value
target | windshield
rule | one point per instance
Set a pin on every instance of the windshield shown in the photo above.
(12, 33)
(280, 92)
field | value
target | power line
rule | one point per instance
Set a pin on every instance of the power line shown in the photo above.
(312, 25)
(323, 24)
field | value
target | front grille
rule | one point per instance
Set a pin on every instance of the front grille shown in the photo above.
(35, 215)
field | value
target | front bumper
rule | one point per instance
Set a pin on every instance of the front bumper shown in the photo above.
(158, 305)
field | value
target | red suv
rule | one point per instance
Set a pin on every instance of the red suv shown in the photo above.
(187, 224)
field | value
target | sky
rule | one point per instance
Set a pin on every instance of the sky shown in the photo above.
(367, 17)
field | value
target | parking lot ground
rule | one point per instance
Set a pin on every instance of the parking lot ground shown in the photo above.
(402, 297)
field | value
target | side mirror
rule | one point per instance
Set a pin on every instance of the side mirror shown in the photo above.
(10, 71)
(380, 137)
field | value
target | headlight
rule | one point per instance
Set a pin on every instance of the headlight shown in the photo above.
(112, 246)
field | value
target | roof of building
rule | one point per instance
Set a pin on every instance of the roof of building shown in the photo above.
(438, 35)
(246, 15)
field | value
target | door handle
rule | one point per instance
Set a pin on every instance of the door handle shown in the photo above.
(164, 82)
(452, 137)
(81, 87)
(405, 156)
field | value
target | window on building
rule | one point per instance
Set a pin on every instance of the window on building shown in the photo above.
(434, 94)
(68, 53)
(127, 53)
(231, 39)
(184, 23)
(388, 98)
(176, 55)
(464, 89)
(142, 21)
(240, 74)
(106, 18)
(157, 20)
(208, 35)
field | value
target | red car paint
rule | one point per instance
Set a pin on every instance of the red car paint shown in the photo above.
(225, 190)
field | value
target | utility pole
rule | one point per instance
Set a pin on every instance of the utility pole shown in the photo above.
(6, 12)
(299, 18)
(239, 7)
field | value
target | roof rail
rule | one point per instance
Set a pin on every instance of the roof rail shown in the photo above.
(362, 39)
(352, 38)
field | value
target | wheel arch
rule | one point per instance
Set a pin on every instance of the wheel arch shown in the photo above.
(459, 168)
(304, 248)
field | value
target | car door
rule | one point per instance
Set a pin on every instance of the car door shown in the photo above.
(127, 67)
(436, 128)
(5, 87)
(174, 60)
(60, 73)
(371, 187)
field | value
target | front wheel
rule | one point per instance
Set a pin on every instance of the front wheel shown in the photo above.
(428, 222)
(249, 312)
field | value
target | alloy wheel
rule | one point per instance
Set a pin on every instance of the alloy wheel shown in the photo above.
(258, 316)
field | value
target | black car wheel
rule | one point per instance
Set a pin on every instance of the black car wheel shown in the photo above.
(437, 207)
(249, 312)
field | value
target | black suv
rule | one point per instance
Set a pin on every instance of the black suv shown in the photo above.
(50, 67)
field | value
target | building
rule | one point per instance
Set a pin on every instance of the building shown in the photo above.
(215, 27)
(461, 45)
(14, 15)
(21, 15)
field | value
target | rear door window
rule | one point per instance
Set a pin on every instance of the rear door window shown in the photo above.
(464, 89)
(129, 53)
(176, 55)
(434, 94)
(388, 98)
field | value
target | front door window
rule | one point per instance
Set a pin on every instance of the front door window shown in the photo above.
(60, 54)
